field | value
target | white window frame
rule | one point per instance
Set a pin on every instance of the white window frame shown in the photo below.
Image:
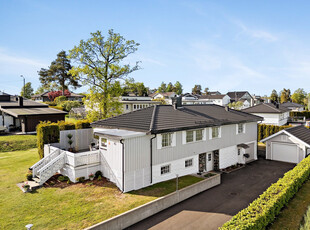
(202, 134)
(188, 163)
(169, 141)
(219, 132)
(101, 146)
(165, 169)
(243, 128)
(193, 137)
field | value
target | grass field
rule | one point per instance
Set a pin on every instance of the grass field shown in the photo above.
(291, 216)
(17, 142)
(74, 207)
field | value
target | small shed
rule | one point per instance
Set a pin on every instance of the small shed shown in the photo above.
(289, 145)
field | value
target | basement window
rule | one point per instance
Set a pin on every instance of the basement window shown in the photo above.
(188, 163)
(165, 169)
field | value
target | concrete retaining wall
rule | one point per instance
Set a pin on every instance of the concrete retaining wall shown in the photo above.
(135, 215)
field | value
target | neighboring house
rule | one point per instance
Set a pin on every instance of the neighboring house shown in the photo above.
(217, 99)
(43, 97)
(272, 114)
(167, 96)
(288, 145)
(22, 114)
(132, 103)
(155, 144)
(214, 93)
(293, 106)
(241, 96)
(258, 99)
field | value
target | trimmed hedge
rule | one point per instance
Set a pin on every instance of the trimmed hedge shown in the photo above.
(262, 211)
(300, 114)
(264, 131)
(48, 132)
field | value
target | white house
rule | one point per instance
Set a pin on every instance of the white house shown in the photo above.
(132, 103)
(155, 144)
(243, 96)
(293, 106)
(217, 99)
(289, 145)
(272, 114)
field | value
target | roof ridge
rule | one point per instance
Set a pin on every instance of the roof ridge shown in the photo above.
(153, 118)
(276, 109)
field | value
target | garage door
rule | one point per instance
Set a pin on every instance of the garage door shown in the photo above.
(284, 152)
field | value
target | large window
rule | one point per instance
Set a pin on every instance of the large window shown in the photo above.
(165, 169)
(189, 136)
(199, 135)
(215, 132)
(188, 163)
(166, 140)
(104, 143)
(240, 128)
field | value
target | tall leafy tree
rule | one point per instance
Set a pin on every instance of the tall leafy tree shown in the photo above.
(178, 88)
(28, 90)
(162, 88)
(197, 89)
(50, 87)
(274, 96)
(170, 87)
(206, 91)
(299, 96)
(58, 72)
(100, 63)
(138, 88)
(285, 95)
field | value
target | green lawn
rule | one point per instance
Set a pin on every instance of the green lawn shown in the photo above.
(74, 207)
(17, 142)
(291, 216)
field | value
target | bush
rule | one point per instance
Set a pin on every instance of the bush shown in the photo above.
(300, 114)
(63, 125)
(98, 173)
(57, 107)
(50, 103)
(60, 99)
(80, 179)
(68, 105)
(262, 211)
(84, 124)
(61, 178)
(29, 176)
(47, 133)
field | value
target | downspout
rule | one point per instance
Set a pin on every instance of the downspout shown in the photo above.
(151, 157)
(123, 165)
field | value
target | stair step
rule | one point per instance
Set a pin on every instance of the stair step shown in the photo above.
(36, 179)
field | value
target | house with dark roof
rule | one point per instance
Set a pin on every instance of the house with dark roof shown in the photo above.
(217, 99)
(289, 145)
(243, 96)
(153, 144)
(132, 103)
(43, 97)
(17, 113)
(272, 114)
(293, 106)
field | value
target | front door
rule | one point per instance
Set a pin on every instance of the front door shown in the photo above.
(216, 160)
(202, 162)
(209, 161)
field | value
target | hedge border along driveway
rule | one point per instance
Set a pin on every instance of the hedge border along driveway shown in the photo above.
(262, 211)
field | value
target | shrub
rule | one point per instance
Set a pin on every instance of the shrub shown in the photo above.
(262, 211)
(68, 105)
(29, 176)
(300, 114)
(57, 107)
(99, 177)
(60, 99)
(61, 178)
(83, 124)
(47, 133)
(264, 130)
(80, 179)
(63, 125)
(98, 173)
(66, 178)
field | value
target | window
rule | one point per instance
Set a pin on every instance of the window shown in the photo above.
(199, 134)
(104, 143)
(166, 140)
(165, 169)
(188, 163)
(239, 151)
(209, 156)
(215, 132)
(240, 128)
(189, 136)
(134, 107)
(127, 107)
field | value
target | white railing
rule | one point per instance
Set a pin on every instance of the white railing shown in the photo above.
(107, 168)
(85, 158)
(41, 163)
(52, 167)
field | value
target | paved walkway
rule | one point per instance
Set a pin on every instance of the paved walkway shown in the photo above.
(210, 209)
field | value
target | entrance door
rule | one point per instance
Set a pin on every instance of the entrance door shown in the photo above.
(216, 160)
(202, 162)
(209, 161)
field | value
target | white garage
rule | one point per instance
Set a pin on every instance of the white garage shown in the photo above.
(284, 152)
(291, 145)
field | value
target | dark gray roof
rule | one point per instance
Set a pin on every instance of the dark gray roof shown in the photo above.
(301, 132)
(237, 94)
(164, 118)
(26, 103)
(291, 104)
(26, 111)
(265, 108)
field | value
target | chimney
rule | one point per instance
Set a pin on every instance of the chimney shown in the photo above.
(177, 102)
(20, 101)
(226, 108)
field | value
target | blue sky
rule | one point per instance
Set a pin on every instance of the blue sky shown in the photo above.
(224, 45)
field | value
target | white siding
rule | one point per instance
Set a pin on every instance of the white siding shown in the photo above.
(81, 138)
(228, 156)
(273, 118)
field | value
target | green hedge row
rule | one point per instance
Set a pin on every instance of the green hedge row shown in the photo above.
(300, 114)
(48, 132)
(262, 211)
(264, 131)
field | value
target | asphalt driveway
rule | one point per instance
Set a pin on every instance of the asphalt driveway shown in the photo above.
(210, 209)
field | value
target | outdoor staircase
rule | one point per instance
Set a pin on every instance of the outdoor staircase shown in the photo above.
(48, 166)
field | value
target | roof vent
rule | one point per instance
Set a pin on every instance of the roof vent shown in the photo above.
(20, 101)
(177, 102)
(226, 108)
